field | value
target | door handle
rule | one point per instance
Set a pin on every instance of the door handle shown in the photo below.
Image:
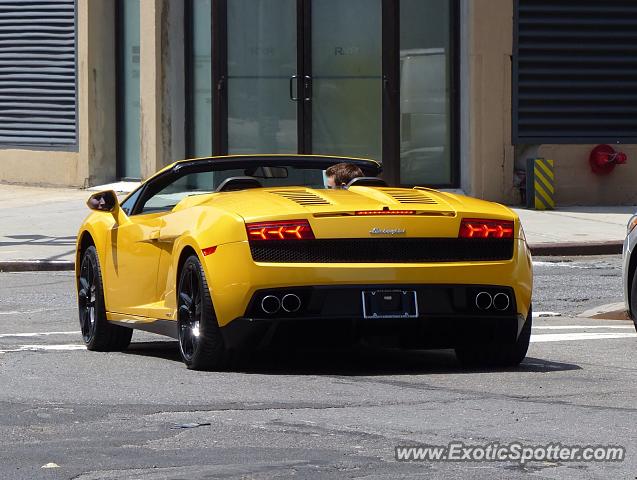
(292, 79)
(307, 88)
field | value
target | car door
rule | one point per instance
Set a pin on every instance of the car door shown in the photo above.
(132, 260)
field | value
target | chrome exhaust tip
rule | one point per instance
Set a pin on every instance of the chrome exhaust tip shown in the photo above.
(484, 300)
(501, 301)
(270, 304)
(291, 303)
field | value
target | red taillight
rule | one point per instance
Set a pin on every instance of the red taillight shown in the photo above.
(208, 251)
(284, 230)
(482, 228)
(385, 212)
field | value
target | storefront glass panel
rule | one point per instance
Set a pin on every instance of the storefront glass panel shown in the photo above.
(347, 78)
(262, 57)
(425, 60)
(129, 91)
(200, 134)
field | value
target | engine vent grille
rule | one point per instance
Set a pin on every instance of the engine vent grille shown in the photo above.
(409, 196)
(382, 250)
(574, 76)
(302, 197)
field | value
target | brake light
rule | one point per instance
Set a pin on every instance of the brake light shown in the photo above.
(283, 230)
(385, 212)
(481, 228)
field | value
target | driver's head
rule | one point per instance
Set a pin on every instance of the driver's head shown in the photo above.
(341, 174)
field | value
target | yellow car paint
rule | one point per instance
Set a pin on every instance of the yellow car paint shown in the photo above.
(140, 255)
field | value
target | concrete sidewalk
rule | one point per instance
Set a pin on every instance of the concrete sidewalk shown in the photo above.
(38, 227)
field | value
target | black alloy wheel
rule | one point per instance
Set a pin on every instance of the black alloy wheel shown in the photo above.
(200, 342)
(87, 298)
(97, 332)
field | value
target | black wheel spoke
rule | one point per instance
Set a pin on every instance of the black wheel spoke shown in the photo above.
(89, 273)
(191, 279)
(184, 316)
(191, 342)
(84, 321)
(186, 299)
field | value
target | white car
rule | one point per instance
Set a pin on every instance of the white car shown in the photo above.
(629, 269)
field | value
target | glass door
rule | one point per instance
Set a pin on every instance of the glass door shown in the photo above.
(346, 76)
(129, 147)
(262, 76)
(363, 78)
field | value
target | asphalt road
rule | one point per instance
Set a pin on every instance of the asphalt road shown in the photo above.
(69, 413)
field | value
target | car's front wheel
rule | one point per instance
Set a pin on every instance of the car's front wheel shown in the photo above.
(97, 332)
(201, 344)
(497, 353)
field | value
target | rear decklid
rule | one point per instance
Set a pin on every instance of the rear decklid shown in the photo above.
(364, 224)
(361, 212)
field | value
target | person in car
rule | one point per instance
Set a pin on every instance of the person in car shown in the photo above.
(341, 174)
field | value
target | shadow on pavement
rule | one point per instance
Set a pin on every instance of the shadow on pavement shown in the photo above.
(356, 361)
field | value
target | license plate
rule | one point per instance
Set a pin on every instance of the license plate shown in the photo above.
(390, 304)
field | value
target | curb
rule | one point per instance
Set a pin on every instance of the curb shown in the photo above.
(612, 247)
(36, 266)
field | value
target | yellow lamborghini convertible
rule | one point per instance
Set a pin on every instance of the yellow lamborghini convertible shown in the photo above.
(232, 253)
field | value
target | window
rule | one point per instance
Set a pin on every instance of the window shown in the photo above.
(199, 62)
(425, 59)
(128, 91)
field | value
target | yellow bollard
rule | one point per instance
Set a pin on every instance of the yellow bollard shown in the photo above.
(544, 184)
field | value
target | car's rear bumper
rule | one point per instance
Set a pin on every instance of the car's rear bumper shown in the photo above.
(425, 332)
(234, 279)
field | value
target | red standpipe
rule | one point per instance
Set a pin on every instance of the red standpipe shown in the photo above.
(603, 159)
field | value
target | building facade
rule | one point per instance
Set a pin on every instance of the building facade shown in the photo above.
(446, 93)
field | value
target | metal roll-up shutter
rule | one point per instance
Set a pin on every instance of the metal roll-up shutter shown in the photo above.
(37, 73)
(575, 71)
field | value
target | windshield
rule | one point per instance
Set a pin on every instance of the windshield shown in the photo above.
(198, 177)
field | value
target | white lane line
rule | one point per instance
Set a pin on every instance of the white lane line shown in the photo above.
(565, 337)
(582, 327)
(538, 263)
(36, 334)
(37, 310)
(44, 348)
(546, 314)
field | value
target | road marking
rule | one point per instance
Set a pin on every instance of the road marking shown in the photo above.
(44, 348)
(564, 337)
(37, 310)
(546, 314)
(580, 327)
(579, 265)
(37, 334)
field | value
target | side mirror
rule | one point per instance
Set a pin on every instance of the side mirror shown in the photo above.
(103, 201)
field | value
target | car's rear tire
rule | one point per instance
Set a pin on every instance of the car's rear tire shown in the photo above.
(497, 353)
(97, 332)
(201, 344)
